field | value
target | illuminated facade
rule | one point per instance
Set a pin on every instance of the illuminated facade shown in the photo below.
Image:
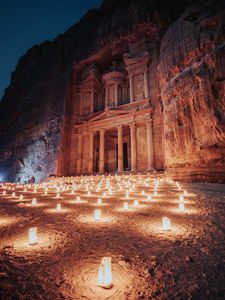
(109, 123)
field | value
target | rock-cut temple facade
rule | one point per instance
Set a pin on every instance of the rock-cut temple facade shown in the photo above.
(113, 122)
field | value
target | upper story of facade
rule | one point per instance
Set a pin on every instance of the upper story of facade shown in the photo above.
(116, 83)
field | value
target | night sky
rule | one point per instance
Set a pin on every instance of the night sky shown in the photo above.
(25, 23)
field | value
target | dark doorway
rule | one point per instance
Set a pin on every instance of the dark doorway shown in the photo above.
(125, 156)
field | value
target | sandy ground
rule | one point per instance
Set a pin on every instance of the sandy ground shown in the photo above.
(187, 262)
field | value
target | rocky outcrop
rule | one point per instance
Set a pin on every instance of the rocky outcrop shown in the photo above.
(192, 81)
(189, 53)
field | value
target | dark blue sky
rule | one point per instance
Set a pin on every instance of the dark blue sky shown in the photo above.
(25, 23)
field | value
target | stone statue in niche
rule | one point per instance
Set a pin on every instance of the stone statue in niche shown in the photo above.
(139, 87)
(86, 103)
(111, 95)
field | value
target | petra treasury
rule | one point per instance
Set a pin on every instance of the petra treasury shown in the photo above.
(112, 155)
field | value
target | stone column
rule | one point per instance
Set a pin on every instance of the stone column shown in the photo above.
(106, 95)
(120, 148)
(79, 152)
(116, 93)
(102, 151)
(133, 139)
(91, 152)
(131, 87)
(92, 100)
(148, 124)
(146, 83)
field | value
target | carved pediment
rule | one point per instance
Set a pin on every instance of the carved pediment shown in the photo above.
(110, 113)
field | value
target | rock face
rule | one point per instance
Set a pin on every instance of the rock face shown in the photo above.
(187, 88)
(192, 81)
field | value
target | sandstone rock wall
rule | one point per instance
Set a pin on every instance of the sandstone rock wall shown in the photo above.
(192, 82)
(36, 110)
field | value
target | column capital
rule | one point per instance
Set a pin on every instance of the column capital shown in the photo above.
(119, 126)
(78, 134)
(102, 130)
(149, 121)
(132, 125)
(146, 68)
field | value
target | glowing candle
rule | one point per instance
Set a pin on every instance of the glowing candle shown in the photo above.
(181, 206)
(125, 205)
(149, 198)
(143, 192)
(97, 215)
(78, 199)
(13, 194)
(136, 203)
(185, 193)
(89, 193)
(34, 201)
(166, 224)
(21, 197)
(99, 202)
(4, 193)
(181, 198)
(105, 274)
(104, 194)
(58, 207)
(155, 193)
(32, 236)
(46, 193)
(58, 195)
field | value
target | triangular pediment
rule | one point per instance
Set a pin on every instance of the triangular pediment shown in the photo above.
(110, 113)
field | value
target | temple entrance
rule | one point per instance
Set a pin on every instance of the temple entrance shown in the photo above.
(125, 156)
(96, 153)
(111, 149)
(111, 140)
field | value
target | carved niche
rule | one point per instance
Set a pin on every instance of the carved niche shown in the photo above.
(91, 93)
(139, 89)
(86, 103)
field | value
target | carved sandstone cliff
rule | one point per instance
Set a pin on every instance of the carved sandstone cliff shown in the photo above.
(192, 81)
(187, 91)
